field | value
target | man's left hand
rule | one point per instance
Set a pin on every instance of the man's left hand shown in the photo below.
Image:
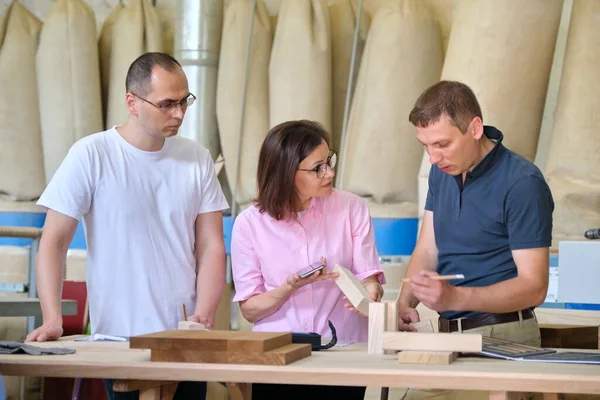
(438, 295)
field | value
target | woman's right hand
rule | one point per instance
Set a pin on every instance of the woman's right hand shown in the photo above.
(295, 282)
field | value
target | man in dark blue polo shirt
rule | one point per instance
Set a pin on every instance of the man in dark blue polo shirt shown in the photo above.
(488, 216)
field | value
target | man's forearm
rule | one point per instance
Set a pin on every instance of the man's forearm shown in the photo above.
(210, 281)
(49, 276)
(507, 296)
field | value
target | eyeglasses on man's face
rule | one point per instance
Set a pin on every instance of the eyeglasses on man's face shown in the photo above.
(170, 105)
(321, 169)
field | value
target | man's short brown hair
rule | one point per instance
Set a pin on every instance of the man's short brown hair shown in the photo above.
(139, 74)
(284, 148)
(455, 99)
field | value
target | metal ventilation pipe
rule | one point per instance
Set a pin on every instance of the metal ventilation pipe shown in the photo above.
(198, 25)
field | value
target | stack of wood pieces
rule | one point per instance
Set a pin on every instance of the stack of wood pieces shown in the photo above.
(431, 348)
(223, 347)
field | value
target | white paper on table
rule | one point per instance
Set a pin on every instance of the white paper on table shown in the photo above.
(98, 337)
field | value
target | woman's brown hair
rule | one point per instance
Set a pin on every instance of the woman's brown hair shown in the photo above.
(284, 148)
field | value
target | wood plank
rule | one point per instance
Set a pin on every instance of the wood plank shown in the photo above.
(391, 324)
(423, 341)
(213, 340)
(354, 291)
(569, 336)
(427, 357)
(377, 324)
(280, 356)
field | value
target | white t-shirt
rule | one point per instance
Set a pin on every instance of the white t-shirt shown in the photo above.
(139, 210)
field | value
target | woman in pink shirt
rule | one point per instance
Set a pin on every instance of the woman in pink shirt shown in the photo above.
(299, 219)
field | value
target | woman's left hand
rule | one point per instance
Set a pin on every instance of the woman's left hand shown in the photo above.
(375, 291)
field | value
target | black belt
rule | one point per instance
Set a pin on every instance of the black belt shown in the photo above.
(485, 319)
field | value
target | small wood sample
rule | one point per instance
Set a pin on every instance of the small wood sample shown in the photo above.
(423, 326)
(354, 291)
(383, 317)
(427, 357)
(377, 322)
(422, 341)
(226, 347)
(190, 325)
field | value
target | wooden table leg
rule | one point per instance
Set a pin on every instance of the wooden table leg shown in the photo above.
(149, 390)
(168, 391)
(507, 396)
(239, 391)
(150, 393)
(551, 396)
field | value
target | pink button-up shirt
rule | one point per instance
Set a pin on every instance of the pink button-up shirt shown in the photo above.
(264, 252)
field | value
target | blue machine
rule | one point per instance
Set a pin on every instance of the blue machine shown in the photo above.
(395, 237)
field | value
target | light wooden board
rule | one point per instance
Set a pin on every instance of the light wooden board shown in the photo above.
(352, 288)
(427, 357)
(423, 341)
(338, 366)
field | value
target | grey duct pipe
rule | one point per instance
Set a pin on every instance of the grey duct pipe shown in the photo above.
(198, 25)
(340, 170)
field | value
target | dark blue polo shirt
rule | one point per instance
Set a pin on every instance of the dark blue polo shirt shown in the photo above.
(504, 205)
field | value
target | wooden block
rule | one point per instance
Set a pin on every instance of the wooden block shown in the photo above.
(190, 325)
(391, 324)
(377, 325)
(427, 357)
(281, 356)
(391, 314)
(351, 287)
(418, 341)
(211, 340)
(569, 336)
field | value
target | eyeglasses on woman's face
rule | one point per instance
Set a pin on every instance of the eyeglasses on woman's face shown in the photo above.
(321, 170)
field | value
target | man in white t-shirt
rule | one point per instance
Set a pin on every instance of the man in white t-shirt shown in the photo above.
(152, 211)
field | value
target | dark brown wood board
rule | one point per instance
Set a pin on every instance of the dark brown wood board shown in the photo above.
(281, 356)
(231, 347)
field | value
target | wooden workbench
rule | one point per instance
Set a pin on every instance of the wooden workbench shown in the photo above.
(350, 366)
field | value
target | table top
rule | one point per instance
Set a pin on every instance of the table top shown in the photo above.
(349, 366)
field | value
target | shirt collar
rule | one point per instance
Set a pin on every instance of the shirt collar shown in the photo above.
(491, 158)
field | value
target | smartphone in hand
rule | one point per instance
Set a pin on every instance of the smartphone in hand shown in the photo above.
(308, 271)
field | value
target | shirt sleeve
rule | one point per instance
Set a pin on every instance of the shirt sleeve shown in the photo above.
(528, 213)
(71, 188)
(212, 197)
(365, 260)
(245, 266)
(429, 199)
